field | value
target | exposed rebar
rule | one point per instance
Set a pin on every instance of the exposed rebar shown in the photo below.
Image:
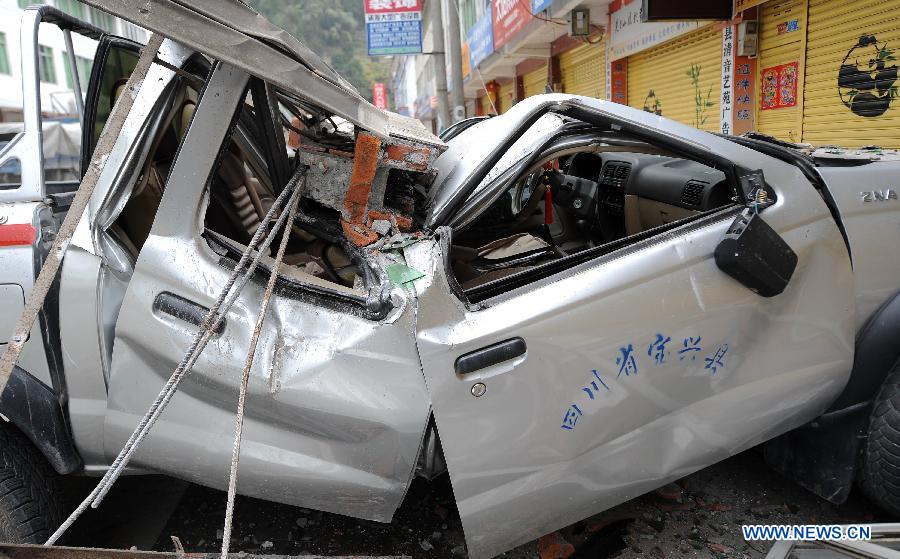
(209, 325)
(245, 377)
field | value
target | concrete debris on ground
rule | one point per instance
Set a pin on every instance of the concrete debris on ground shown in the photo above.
(700, 516)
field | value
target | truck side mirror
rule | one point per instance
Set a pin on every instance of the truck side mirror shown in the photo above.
(755, 254)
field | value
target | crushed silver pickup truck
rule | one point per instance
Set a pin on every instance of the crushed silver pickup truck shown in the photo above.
(562, 307)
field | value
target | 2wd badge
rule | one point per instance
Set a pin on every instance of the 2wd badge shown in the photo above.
(878, 195)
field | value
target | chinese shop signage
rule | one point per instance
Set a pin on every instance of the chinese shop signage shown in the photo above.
(510, 16)
(393, 27)
(630, 35)
(481, 38)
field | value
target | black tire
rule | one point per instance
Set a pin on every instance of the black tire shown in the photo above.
(29, 508)
(879, 468)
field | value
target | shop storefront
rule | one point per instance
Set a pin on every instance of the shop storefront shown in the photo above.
(507, 96)
(535, 81)
(780, 68)
(823, 71)
(582, 69)
(851, 87)
(680, 79)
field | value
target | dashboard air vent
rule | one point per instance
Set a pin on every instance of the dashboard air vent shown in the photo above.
(615, 173)
(692, 194)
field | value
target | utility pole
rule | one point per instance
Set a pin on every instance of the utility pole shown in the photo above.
(457, 95)
(440, 63)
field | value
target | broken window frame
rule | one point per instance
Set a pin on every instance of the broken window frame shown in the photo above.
(374, 303)
(120, 190)
(534, 277)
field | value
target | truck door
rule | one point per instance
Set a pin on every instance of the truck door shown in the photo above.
(337, 404)
(101, 256)
(593, 384)
(39, 160)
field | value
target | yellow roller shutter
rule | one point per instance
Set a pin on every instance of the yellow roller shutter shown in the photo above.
(485, 103)
(507, 97)
(782, 40)
(535, 82)
(680, 79)
(860, 109)
(583, 70)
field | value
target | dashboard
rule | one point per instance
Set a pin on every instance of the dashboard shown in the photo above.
(643, 191)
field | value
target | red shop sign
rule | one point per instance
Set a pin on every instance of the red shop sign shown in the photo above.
(379, 95)
(382, 6)
(508, 17)
(778, 86)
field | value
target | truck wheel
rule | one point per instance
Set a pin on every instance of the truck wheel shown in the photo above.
(879, 471)
(29, 510)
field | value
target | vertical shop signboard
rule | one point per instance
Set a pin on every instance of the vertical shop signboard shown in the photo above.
(379, 95)
(393, 27)
(742, 109)
(608, 63)
(778, 86)
(727, 89)
(619, 81)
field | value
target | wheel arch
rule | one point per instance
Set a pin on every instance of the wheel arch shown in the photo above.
(808, 454)
(34, 409)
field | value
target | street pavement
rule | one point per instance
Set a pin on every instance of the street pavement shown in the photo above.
(700, 516)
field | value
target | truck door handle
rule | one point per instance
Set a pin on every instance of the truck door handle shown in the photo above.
(490, 355)
(183, 309)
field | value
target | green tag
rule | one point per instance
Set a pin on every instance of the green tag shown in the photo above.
(401, 273)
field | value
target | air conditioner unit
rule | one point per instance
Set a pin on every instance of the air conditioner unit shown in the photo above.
(748, 38)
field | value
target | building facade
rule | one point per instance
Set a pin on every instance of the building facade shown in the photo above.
(823, 72)
(57, 83)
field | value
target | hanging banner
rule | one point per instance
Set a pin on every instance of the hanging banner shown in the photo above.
(630, 35)
(727, 90)
(466, 58)
(481, 38)
(779, 86)
(510, 16)
(379, 95)
(393, 27)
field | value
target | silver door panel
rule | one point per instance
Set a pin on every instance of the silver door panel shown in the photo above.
(337, 404)
(96, 269)
(517, 473)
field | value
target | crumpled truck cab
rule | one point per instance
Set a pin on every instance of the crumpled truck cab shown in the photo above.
(539, 306)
